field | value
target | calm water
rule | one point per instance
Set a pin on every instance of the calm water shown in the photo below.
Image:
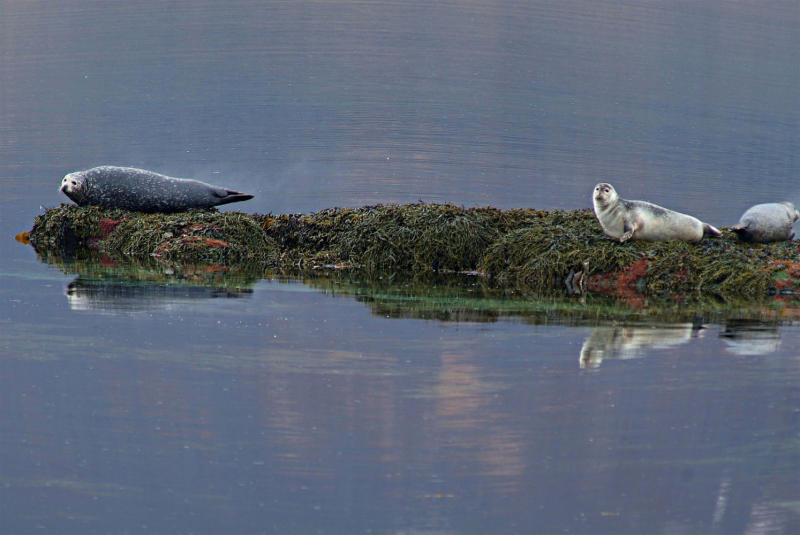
(266, 405)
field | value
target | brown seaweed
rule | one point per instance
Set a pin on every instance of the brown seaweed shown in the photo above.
(527, 249)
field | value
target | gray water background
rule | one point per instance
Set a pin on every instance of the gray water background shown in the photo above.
(295, 410)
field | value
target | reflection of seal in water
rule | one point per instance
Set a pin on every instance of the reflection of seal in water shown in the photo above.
(144, 191)
(767, 223)
(633, 342)
(639, 220)
(117, 296)
(751, 337)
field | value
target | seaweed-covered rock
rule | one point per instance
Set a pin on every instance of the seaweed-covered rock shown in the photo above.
(526, 249)
(192, 237)
(541, 254)
(195, 236)
(69, 227)
(412, 238)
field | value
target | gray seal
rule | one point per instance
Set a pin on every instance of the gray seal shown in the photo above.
(638, 220)
(764, 223)
(144, 191)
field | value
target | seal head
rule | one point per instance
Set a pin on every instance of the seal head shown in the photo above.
(144, 191)
(639, 220)
(765, 223)
(73, 187)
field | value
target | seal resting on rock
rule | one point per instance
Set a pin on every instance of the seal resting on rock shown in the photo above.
(764, 223)
(639, 220)
(144, 191)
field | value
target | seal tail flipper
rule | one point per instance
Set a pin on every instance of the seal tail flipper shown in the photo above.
(709, 231)
(229, 195)
(739, 229)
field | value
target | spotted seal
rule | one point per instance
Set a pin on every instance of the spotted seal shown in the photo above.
(639, 220)
(144, 191)
(764, 223)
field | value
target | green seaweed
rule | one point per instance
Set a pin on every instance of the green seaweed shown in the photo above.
(69, 227)
(540, 255)
(192, 237)
(526, 249)
(196, 236)
(413, 238)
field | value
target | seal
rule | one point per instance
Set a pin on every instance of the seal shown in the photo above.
(144, 191)
(764, 223)
(639, 220)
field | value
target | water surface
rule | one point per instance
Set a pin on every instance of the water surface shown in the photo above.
(204, 403)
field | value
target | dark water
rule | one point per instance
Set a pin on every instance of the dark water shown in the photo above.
(205, 404)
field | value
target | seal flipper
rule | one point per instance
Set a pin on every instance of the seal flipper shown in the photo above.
(709, 231)
(629, 230)
(738, 229)
(227, 196)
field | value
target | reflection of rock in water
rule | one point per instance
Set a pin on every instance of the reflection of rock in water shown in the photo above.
(123, 296)
(751, 337)
(631, 342)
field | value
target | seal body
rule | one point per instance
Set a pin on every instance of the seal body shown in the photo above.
(638, 220)
(144, 191)
(764, 223)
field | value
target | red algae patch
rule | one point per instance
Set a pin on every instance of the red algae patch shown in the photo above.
(107, 226)
(107, 262)
(633, 274)
(786, 275)
(627, 284)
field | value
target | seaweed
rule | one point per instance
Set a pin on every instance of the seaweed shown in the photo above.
(70, 227)
(541, 255)
(412, 238)
(524, 249)
(191, 237)
(195, 236)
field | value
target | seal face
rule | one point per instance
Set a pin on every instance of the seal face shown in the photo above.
(144, 191)
(638, 220)
(770, 222)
